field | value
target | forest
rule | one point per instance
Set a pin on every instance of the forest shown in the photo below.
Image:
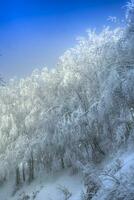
(78, 116)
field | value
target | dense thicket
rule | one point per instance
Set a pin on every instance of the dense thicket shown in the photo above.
(75, 114)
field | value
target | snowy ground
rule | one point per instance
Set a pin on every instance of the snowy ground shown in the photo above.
(47, 188)
(50, 187)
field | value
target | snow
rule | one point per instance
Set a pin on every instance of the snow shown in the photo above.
(124, 173)
(128, 163)
(6, 191)
(47, 187)
(51, 188)
(70, 117)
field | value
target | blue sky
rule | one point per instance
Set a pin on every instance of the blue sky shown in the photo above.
(34, 33)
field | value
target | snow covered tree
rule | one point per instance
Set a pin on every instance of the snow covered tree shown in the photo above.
(73, 115)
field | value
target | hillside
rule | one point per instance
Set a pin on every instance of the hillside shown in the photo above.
(78, 117)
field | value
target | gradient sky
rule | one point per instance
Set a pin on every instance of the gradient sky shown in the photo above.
(34, 33)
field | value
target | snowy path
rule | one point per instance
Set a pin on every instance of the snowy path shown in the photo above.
(51, 188)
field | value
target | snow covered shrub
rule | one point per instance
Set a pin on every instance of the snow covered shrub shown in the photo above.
(67, 194)
(123, 190)
(92, 185)
(91, 181)
(24, 196)
(114, 167)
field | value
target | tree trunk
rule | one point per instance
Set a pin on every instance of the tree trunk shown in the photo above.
(24, 178)
(31, 168)
(62, 163)
(17, 176)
